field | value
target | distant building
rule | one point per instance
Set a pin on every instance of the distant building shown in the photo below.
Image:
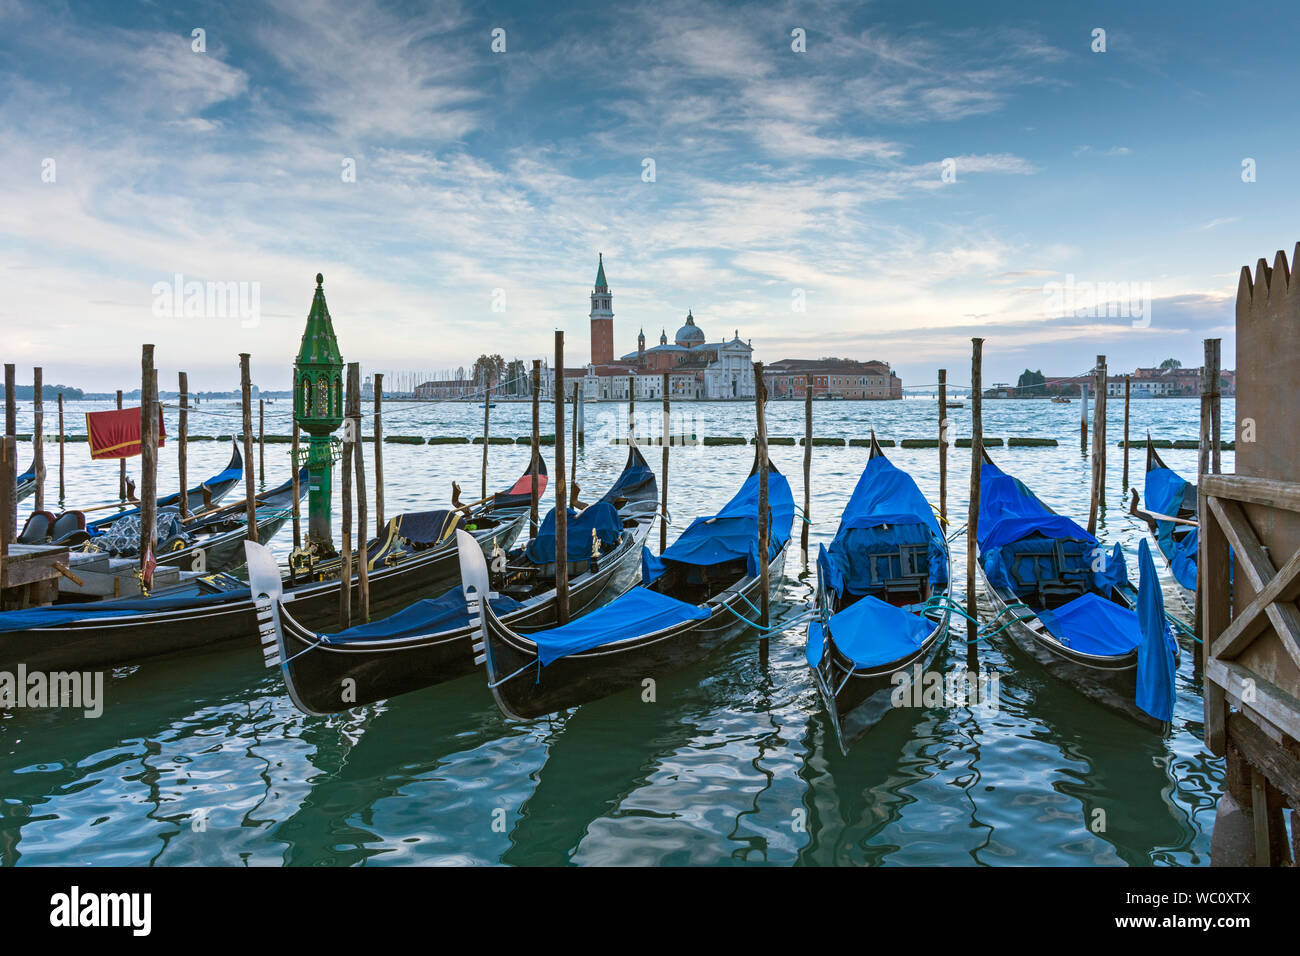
(697, 369)
(1145, 383)
(833, 378)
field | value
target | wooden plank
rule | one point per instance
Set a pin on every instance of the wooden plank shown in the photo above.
(1259, 570)
(1284, 588)
(1244, 687)
(1214, 567)
(1254, 491)
(1281, 768)
(1259, 813)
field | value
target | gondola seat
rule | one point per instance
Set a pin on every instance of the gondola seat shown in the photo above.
(69, 528)
(36, 530)
(1047, 573)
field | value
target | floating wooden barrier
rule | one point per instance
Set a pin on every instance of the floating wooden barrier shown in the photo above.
(439, 439)
(1032, 443)
(826, 442)
(724, 440)
(409, 440)
(988, 442)
(866, 442)
(781, 441)
(495, 440)
(919, 443)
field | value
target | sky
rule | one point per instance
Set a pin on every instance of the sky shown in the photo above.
(865, 180)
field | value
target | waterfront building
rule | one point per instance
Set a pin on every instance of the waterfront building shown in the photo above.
(833, 378)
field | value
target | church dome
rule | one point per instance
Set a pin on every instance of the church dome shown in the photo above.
(690, 334)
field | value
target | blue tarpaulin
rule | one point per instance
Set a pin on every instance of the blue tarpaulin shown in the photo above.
(732, 533)
(639, 611)
(1093, 625)
(870, 632)
(1009, 511)
(600, 518)
(1167, 492)
(1157, 663)
(636, 477)
(56, 615)
(885, 511)
(447, 612)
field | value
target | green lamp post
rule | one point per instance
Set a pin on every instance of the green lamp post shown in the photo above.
(318, 408)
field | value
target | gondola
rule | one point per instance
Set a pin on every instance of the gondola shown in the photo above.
(210, 542)
(881, 608)
(430, 641)
(413, 557)
(202, 496)
(701, 592)
(1171, 517)
(1069, 605)
(27, 481)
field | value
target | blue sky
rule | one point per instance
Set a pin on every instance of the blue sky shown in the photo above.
(775, 171)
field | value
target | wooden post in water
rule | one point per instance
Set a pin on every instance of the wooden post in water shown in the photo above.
(943, 445)
(764, 513)
(1128, 389)
(10, 516)
(38, 436)
(345, 533)
(379, 454)
(537, 452)
(62, 487)
(148, 454)
(973, 514)
(1083, 418)
(631, 409)
(807, 462)
(663, 486)
(561, 497)
(8, 469)
(261, 442)
(121, 462)
(1098, 443)
(250, 493)
(573, 465)
(1208, 461)
(487, 411)
(359, 455)
(579, 421)
(182, 440)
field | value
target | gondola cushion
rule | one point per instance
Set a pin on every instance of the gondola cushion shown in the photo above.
(447, 612)
(871, 632)
(601, 519)
(1093, 625)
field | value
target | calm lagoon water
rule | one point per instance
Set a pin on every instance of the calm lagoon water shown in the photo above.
(202, 759)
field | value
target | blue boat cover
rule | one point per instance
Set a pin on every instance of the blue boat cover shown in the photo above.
(1093, 625)
(1165, 492)
(1157, 663)
(56, 615)
(447, 612)
(730, 534)
(639, 611)
(635, 477)
(1009, 511)
(886, 510)
(600, 518)
(871, 632)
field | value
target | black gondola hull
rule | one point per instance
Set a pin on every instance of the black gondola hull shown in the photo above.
(591, 675)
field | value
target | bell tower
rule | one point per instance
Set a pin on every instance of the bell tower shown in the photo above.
(602, 319)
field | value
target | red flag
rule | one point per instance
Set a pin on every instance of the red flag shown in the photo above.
(116, 433)
(147, 567)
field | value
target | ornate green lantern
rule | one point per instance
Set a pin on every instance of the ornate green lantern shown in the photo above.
(318, 408)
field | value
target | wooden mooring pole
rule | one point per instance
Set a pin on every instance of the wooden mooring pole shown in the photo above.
(297, 491)
(359, 458)
(943, 445)
(10, 516)
(807, 463)
(764, 514)
(148, 458)
(1083, 418)
(663, 485)
(573, 465)
(1128, 389)
(1098, 443)
(487, 412)
(973, 515)
(38, 435)
(537, 453)
(250, 492)
(121, 462)
(62, 485)
(261, 442)
(379, 454)
(345, 532)
(561, 497)
(182, 440)
(631, 409)
(1208, 459)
